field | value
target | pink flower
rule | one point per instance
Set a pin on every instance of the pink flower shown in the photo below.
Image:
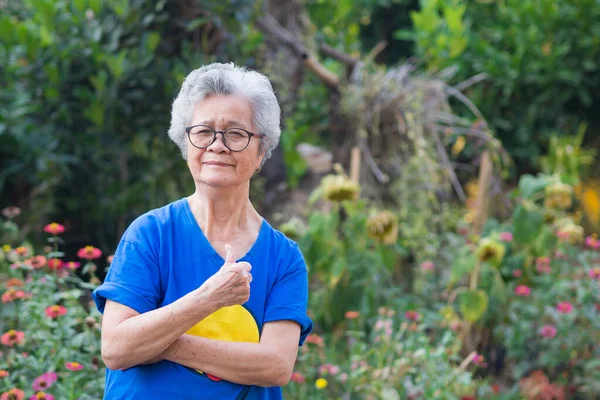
(562, 235)
(89, 253)
(3, 373)
(42, 396)
(548, 331)
(522, 290)
(594, 273)
(564, 307)
(427, 266)
(329, 369)
(506, 236)
(44, 381)
(298, 377)
(560, 255)
(411, 315)
(343, 377)
(479, 360)
(73, 366)
(517, 273)
(55, 311)
(542, 265)
(72, 265)
(313, 338)
(36, 262)
(592, 242)
(13, 337)
(54, 228)
(13, 394)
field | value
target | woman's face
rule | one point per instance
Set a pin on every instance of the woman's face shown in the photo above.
(216, 165)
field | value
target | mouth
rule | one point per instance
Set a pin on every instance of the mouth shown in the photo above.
(217, 164)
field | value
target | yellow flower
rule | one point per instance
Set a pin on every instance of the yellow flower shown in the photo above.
(491, 251)
(6, 248)
(339, 188)
(321, 383)
(383, 227)
(558, 195)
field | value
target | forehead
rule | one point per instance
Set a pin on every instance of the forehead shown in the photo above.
(221, 111)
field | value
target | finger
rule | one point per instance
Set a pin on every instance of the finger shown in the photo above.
(229, 254)
(245, 265)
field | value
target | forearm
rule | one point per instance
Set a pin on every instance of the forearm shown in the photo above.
(144, 336)
(243, 363)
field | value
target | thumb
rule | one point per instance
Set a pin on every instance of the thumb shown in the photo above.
(229, 254)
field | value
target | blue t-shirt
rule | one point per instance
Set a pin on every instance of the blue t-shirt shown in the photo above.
(164, 255)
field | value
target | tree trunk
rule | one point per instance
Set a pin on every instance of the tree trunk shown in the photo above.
(286, 71)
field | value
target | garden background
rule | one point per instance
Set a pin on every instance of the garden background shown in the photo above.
(437, 166)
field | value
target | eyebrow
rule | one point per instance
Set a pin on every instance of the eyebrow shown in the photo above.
(228, 123)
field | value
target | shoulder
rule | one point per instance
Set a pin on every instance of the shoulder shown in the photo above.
(286, 250)
(147, 228)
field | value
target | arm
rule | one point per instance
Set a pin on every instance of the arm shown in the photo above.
(130, 338)
(268, 363)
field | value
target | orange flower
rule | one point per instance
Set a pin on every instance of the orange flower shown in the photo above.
(110, 258)
(411, 315)
(3, 373)
(56, 311)
(13, 394)
(73, 366)
(12, 282)
(352, 314)
(89, 253)
(22, 251)
(55, 264)
(54, 228)
(36, 262)
(314, 339)
(12, 337)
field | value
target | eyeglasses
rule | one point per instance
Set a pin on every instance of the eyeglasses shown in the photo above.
(235, 139)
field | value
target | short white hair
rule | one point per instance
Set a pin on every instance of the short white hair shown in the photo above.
(227, 79)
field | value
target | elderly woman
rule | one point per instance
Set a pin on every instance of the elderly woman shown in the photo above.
(204, 299)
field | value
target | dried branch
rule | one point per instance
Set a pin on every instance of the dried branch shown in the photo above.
(338, 55)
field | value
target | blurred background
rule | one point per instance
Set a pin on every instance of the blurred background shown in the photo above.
(438, 167)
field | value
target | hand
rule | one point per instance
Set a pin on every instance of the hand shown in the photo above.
(231, 284)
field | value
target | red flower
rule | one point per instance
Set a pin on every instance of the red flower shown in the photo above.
(55, 264)
(517, 273)
(352, 314)
(411, 315)
(89, 253)
(36, 262)
(73, 366)
(55, 311)
(41, 396)
(54, 228)
(44, 381)
(564, 307)
(297, 377)
(73, 265)
(13, 394)
(3, 373)
(13, 337)
(522, 290)
(548, 331)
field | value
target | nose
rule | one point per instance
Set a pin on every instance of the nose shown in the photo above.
(218, 146)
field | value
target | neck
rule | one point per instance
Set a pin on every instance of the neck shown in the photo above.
(222, 212)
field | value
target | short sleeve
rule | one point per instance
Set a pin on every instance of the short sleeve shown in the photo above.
(288, 299)
(133, 279)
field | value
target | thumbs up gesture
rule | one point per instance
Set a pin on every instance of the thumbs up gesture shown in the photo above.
(230, 285)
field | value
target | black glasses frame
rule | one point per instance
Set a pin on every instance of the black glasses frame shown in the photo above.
(250, 134)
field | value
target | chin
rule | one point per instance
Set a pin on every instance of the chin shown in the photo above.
(217, 180)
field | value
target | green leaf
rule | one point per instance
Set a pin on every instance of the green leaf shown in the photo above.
(530, 185)
(337, 272)
(528, 224)
(473, 304)
(152, 41)
(465, 263)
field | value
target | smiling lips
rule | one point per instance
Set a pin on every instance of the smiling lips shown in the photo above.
(217, 164)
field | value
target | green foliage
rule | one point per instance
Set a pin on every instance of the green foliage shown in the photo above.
(540, 59)
(87, 88)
